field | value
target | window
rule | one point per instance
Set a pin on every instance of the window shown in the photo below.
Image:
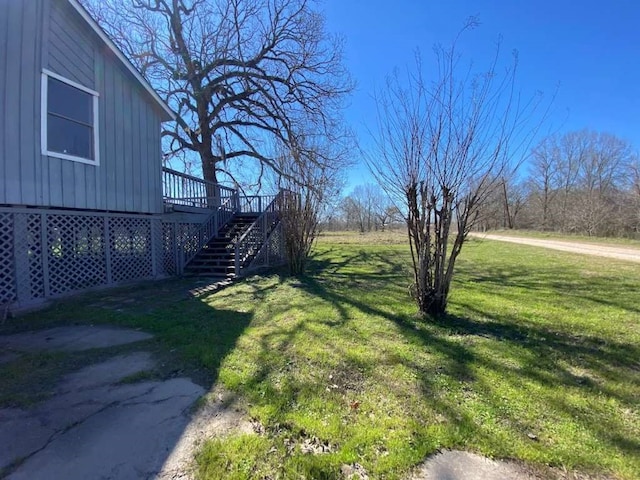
(69, 120)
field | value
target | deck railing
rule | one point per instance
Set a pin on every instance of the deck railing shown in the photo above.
(182, 189)
(255, 203)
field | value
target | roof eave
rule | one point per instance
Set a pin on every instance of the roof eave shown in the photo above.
(125, 61)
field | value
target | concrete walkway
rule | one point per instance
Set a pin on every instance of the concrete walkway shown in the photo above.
(93, 426)
(457, 465)
(68, 339)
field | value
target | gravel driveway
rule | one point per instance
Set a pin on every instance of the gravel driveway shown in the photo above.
(621, 253)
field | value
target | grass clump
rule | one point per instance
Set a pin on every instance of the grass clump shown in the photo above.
(242, 457)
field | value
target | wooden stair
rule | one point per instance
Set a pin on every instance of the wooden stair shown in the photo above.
(217, 258)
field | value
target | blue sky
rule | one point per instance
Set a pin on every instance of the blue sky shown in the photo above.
(591, 49)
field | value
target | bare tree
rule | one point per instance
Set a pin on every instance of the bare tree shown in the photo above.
(239, 74)
(579, 183)
(512, 197)
(441, 148)
(363, 201)
(546, 178)
(309, 187)
(572, 149)
(634, 175)
(633, 210)
(383, 210)
(387, 214)
(491, 215)
(368, 207)
(503, 206)
(600, 179)
(351, 212)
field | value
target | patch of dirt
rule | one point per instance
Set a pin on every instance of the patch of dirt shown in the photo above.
(220, 414)
(355, 471)
(346, 378)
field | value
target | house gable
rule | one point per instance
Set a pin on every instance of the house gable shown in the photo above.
(71, 49)
(169, 114)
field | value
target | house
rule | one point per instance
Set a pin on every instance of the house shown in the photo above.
(83, 194)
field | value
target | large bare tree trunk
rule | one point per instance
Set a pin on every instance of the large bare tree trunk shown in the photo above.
(508, 222)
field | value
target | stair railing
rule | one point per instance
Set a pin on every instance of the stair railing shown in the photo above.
(256, 235)
(210, 227)
(272, 251)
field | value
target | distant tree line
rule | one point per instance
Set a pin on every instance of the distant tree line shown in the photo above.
(367, 208)
(580, 182)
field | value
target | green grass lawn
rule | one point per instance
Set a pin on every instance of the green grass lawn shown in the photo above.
(539, 360)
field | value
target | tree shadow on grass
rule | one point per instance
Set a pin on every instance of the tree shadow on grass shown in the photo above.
(554, 279)
(584, 366)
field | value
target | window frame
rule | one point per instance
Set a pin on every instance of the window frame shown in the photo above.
(44, 123)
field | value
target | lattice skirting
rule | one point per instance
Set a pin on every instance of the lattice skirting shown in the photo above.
(271, 253)
(50, 253)
(7, 267)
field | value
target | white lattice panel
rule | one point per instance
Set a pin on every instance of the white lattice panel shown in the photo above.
(276, 246)
(34, 252)
(46, 253)
(273, 254)
(7, 267)
(169, 249)
(188, 238)
(75, 253)
(130, 240)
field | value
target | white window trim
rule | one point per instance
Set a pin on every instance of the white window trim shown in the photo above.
(44, 116)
